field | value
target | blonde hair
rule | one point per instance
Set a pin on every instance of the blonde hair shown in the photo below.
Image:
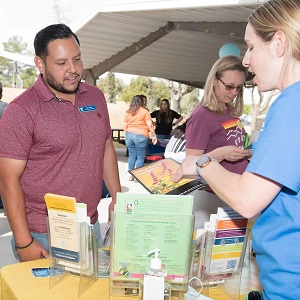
(279, 15)
(135, 104)
(210, 100)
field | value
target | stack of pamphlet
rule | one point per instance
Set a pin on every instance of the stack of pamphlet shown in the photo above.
(222, 246)
(64, 217)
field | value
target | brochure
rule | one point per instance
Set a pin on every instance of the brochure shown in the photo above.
(228, 233)
(63, 227)
(146, 222)
(156, 178)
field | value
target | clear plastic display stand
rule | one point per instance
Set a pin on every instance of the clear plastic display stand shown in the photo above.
(85, 264)
(131, 240)
(235, 281)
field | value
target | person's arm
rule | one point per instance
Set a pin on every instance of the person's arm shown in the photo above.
(248, 194)
(151, 129)
(111, 174)
(229, 153)
(125, 122)
(12, 195)
(177, 121)
(153, 116)
(194, 152)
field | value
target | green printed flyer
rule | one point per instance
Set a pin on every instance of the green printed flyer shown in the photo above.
(147, 222)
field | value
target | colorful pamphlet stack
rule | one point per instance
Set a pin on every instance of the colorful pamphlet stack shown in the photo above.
(222, 248)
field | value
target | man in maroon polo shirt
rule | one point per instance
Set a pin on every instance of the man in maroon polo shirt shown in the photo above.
(54, 138)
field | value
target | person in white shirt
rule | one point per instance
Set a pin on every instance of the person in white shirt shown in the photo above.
(176, 146)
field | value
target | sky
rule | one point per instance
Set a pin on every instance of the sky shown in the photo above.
(26, 18)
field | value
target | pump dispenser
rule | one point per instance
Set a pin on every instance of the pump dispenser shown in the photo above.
(155, 265)
(153, 284)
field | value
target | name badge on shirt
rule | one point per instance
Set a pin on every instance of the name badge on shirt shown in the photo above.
(87, 108)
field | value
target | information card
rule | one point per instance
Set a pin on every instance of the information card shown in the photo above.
(147, 222)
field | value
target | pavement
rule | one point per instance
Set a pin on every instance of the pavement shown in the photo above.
(126, 185)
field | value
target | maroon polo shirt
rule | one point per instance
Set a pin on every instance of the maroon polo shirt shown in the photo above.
(62, 143)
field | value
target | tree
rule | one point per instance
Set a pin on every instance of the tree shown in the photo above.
(247, 109)
(111, 87)
(161, 92)
(59, 11)
(152, 89)
(13, 73)
(177, 90)
(261, 105)
(188, 102)
(16, 74)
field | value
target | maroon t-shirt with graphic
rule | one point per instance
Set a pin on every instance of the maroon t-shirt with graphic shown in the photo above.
(208, 131)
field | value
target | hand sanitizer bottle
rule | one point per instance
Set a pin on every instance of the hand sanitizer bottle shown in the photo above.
(154, 285)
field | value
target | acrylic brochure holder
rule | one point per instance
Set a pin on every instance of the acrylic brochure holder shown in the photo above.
(133, 238)
(224, 264)
(83, 263)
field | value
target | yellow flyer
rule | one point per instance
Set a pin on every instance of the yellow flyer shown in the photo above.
(64, 233)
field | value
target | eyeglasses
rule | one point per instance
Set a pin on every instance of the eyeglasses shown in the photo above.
(230, 87)
(254, 295)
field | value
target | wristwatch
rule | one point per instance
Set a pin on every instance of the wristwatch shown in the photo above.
(202, 162)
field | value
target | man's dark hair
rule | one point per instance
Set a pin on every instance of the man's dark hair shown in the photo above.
(0, 90)
(49, 34)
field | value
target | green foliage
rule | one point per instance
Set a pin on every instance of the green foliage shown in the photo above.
(11, 71)
(29, 77)
(111, 87)
(247, 109)
(162, 92)
(188, 102)
(154, 90)
(6, 71)
(15, 44)
(137, 86)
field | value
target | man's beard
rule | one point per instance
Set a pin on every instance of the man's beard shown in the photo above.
(58, 86)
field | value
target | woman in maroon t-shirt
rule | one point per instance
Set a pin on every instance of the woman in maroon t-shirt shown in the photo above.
(214, 128)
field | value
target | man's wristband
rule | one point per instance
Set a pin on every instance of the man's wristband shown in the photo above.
(25, 247)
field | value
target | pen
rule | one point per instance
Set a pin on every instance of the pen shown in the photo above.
(246, 140)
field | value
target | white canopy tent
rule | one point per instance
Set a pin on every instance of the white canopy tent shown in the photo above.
(171, 39)
(175, 40)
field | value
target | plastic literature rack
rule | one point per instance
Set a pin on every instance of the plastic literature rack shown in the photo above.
(235, 281)
(145, 222)
(224, 256)
(69, 263)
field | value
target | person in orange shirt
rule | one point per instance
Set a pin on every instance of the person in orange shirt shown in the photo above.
(138, 124)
